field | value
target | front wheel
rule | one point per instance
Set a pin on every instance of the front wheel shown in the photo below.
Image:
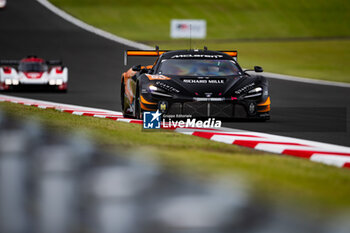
(122, 98)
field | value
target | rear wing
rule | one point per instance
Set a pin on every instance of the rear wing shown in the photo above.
(157, 53)
(142, 53)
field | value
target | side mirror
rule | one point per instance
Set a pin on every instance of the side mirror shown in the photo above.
(136, 68)
(258, 69)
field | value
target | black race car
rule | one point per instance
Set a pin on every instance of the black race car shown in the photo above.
(197, 83)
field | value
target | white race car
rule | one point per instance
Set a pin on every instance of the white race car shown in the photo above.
(2, 3)
(33, 72)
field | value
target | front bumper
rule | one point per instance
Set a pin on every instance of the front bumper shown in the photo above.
(224, 109)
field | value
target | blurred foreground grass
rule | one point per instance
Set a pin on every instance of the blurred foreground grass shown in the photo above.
(288, 180)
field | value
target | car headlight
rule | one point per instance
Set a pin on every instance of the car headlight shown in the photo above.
(8, 81)
(158, 91)
(255, 90)
(59, 82)
(152, 88)
(15, 82)
(56, 82)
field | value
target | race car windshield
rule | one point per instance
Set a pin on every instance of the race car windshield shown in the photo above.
(198, 67)
(32, 67)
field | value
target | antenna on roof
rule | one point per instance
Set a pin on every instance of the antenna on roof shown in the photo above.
(205, 48)
(157, 49)
(190, 36)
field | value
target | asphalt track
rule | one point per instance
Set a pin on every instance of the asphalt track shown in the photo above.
(302, 110)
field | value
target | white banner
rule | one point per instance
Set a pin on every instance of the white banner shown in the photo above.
(186, 28)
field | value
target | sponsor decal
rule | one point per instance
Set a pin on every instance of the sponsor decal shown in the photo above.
(214, 56)
(198, 81)
(163, 106)
(157, 77)
(252, 108)
(204, 81)
(166, 87)
(208, 99)
(151, 120)
(245, 88)
(216, 81)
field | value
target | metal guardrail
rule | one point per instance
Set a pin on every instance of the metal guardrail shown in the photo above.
(54, 183)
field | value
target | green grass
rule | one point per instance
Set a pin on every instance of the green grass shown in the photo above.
(226, 19)
(290, 180)
(293, 58)
(148, 21)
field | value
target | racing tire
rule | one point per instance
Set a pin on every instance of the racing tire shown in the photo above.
(122, 98)
(138, 110)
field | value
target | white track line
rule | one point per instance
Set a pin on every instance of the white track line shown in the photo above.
(305, 80)
(315, 151)
(92, 29)
(137, 45)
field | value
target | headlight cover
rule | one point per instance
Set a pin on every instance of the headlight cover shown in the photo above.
(55, 82)
(8, 81)
(52, 82)
(154, 90)
(255, 92)
(15, 82)
(59, 82)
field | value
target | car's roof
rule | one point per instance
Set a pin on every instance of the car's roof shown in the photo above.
(195, 54)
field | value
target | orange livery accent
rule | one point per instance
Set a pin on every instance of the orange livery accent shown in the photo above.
(157, 53)
(144, 53)
(143, 107)
(231, 53)
(157, 77)
(265, 106)
(267, 102)
(145, 101)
